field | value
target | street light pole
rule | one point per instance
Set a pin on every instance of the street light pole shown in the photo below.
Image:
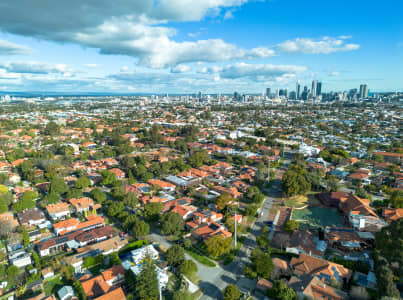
(235, 228)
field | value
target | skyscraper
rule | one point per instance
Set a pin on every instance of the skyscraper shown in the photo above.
(363, 91)
(319, 89)
(298, 91)
(268, 92)
(314, 87)
(277, 93)
(304, 94)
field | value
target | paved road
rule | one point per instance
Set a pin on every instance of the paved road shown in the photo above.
(214, 280)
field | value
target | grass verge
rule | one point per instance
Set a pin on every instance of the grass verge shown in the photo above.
(201, 259)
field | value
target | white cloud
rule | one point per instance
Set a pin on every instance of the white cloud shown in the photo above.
(325, 45)
(181, 69)
(34, 68)
(259, 71)
(126, 27)
(124, 69)
(8, 48)
(334, 74)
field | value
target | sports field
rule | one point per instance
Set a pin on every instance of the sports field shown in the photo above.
(319, 216)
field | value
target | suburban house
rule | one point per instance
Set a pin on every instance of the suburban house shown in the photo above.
(84, 204)
(163, 185)
(58, 211)
(138, 255)
(31, 217)
(392, 214)
(206, 231)
(315, 289)
(357, 210)
(104, 247)
(69, 225)
(104, 283)
(304, 241)
(323, 269)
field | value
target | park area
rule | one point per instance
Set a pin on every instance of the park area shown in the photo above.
(318, 216)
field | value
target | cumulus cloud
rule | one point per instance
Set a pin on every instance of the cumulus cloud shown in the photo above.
(35, 68)
(259, 71)
(125, 27)
(325, 45)
(181, 69)
(8, 48)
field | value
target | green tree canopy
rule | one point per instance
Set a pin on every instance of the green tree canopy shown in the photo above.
(152, 211)
(147, 281)
(218, 245)
(291, 226)
(175, 255)
(171, 223)
(231, 292)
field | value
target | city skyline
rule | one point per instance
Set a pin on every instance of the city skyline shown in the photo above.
(212, 46)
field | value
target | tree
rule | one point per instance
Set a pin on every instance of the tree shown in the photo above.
(98, 195)
(140, 229)
(281, 291)
(25, 238)
(130, 200)
(262, 263)
(291, 226)
(115, 208)
(12, 272)
(251, 210)
(175, 255)
(51, 128)
(231, 292)
(218, 245)
(6, 227)
(82, 182)
(389, 243)
(182, 295)
(108, 178)
(78, 288)
(3, 205)
(171, 223)
(58, 186)
(188, 267)
(223, 200)
(26, 202)
(294, 183)
(396, 199)
(385, 282)
(147, 281)
(152, 211)
(114, 259)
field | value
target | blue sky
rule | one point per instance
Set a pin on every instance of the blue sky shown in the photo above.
(183, 46)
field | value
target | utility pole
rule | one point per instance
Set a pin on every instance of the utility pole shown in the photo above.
(159, 287)
(235, 227)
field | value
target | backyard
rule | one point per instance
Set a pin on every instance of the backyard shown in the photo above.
(318, 216)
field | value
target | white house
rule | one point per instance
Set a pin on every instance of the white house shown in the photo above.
(138, 255)
(20, 258)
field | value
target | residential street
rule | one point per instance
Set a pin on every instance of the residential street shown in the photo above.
(214, 280)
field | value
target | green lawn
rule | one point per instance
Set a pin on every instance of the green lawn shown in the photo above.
(297, 201)
(52, 285)
(201, 259)
(319, 216)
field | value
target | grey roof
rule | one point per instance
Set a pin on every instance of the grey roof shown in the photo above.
(65, 291)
